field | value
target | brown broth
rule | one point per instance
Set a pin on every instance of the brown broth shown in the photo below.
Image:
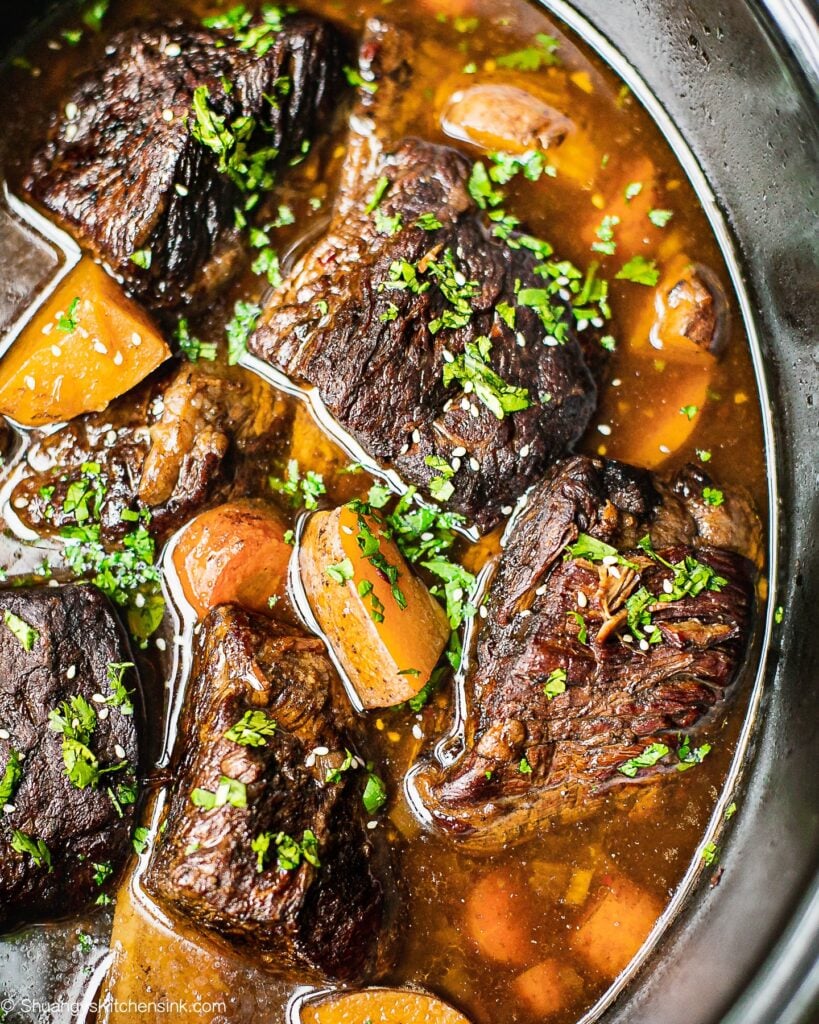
(649, 835)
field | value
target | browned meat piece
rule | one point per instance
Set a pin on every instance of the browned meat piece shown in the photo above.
(504, 117)
(384, 309)
(589, 658)
(163, 448)
(65, 827)
(323, 912)
(123, 172)
(691, 305)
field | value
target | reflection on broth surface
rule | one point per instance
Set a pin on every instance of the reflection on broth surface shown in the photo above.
(531, 932)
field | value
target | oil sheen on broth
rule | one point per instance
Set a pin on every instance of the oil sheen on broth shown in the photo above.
(641, 841)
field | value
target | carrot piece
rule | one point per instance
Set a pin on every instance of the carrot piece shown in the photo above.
(387, 651)
(87, 345)
(498, 919)
(615, 925)
(233, 553)
(380, 1005)
(548, 987)
(312, 448)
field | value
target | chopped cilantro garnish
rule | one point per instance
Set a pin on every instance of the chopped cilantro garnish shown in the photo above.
(481, 190)
(375, 793)
(689, 756)
(229, 791)
(303, 491)
(94, 13)
(632, 190)
(239, 329)
(689, 411)
(12, 776)
(120, 696)
(555, 683)
(659, 218)
(428, 222)
(142, 258)
(532, 58)
(355, 79)
(251, 729)
(703, 455)
(289, 852)
(140, 839)
(653, 753)
(506, 166)
(35, 848)
(709, 853)
(473, 372)
(639, 270)
(605, 236)
(713, 496)
(595, 550)
(26, 635)
(192, 348)
(67, 323)
(582, 632)
(341, 572)
(524, 767)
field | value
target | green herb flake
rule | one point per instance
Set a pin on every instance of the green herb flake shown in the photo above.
(228, 791)
(239, 329)
(142, 258)
(713, 496)
(25, 635)
(67, 323)
(555, 683)
(251, 729)
(689, 411)
(375, 793)
(524, 767)
(140, 839)
(542, 53)
(355, 79)
(659, 218)
(595, 550)
(639, 270)
(35, 848)
(709, 853)
(473, 371)
(12, 776)
(652, 754)
(605, 236)
(341, 572)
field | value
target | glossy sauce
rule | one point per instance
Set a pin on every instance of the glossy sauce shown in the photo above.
(645, 835)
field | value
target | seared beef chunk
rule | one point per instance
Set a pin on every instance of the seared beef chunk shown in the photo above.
(68, 751)
(388, 306)
(279, 861)
(124, 172)
(589, 658)
(162, 448)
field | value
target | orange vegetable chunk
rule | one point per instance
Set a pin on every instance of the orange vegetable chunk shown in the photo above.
(380, 1006)
(233, 553)
(616, 925)
(498, 919)
(387, 651)
(548, 987)
(87, 345)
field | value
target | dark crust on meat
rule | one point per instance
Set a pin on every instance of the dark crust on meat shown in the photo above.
(329, 921)
(382, 379)
(77, 627)
(111, 173)
(618, 698)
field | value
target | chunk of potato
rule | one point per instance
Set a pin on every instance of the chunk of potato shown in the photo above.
(88, 344)
(380, 1006)
(233, 553)
(504, 117)
(615, 925)
(548, 987)
(498, 919)
(387, 651)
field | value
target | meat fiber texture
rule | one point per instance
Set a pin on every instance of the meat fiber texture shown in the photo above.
(329, 921)
(533, 759)
(123, 173)
(78, 637)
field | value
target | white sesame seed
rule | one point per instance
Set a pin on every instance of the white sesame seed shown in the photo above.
(321, 751)
(139, 600)
(99, 347)
(5, 734)
(582, 324)
(167, 114)
(160, 644)
(56, 351)
(473, 411)
(465, 404)
(173, 50)
(565, 294)
(448, 356)
(404, 449)
(71, 671)
(644, 645)
(520, 341)
(616, 382)
(20, 502)
(49, 327)
(119, 751)
(372, 824)
(103, 713)
(417, 731)
(117, 359)
(180, 190)
(665, 449)
(82, 332)
(614, 571)
(427, 535)
(416, 437)
(457, 593)
(98, 698)
(483, 612)
(447, 405)
(29, 382)
(474, 464)
(456, 464)
(459, 452)
(609, 560)
(9, 808)
(562, 281)
(582, 600)
(541, 590)
(604, 429)
(550, 341)
(111, 438)
(136, 339)
(525, 613)
(506, 510)
(668, 586)
(628, 639)
(310, 760)
(71, 111)
(70, 132)
(524, 451)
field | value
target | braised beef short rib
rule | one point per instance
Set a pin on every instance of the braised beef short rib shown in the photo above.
(122, 171)
(591, 656)
(327, 915)
(64, 835)
(375, 312)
